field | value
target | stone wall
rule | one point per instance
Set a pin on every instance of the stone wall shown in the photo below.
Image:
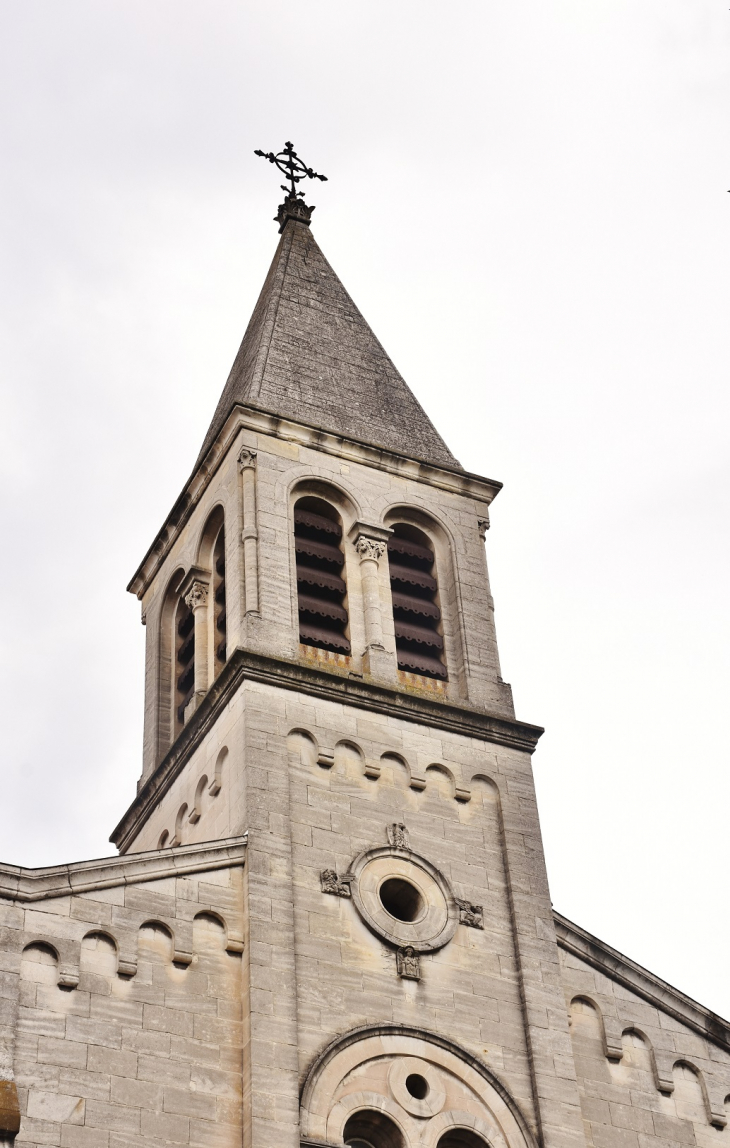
(122, 1003)
(647, 1078)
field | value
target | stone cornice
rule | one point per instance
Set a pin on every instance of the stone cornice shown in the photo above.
(20, 884)
(250, 417)
(247, 665)
(650, 988)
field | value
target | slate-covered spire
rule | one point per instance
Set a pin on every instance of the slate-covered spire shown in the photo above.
(309, 355)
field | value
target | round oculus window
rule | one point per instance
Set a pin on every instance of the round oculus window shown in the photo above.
(401, 899)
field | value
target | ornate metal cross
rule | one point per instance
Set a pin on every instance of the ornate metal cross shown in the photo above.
(291, 167)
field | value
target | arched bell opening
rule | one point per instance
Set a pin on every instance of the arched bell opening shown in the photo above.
(419, 639)
(184, 663)
(219, 602)
(321, 586)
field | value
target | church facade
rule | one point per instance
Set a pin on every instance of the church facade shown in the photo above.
(329, 921)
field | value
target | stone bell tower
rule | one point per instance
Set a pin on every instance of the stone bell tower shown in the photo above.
(329, 921)
(322, 674)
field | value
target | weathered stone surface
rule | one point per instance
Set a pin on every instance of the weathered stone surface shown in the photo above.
(308, 353)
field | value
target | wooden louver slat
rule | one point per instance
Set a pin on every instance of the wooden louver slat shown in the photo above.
(219, 600)
(416, 615)
(320, 589)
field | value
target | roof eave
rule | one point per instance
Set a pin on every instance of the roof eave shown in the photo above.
(247, 416)
(617, 967)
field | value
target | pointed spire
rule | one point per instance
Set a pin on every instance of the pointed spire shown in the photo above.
(309, 355)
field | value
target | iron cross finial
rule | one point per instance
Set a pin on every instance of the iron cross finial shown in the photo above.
(290, 165)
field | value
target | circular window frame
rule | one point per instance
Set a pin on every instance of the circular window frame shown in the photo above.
(434, 1100)
(434, 927)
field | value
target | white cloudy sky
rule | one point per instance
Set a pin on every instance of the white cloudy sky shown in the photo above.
(529, 202)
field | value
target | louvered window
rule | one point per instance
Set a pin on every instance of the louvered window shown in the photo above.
(184, 661)
(320, 584)
(219, 600)
(418, 640)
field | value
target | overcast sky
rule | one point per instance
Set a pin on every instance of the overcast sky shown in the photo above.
(528, 201)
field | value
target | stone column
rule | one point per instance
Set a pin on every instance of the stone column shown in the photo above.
(197, 600)
(371, 550)
(371, 544)
(249, 534)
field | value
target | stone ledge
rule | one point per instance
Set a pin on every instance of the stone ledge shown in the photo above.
(639, 980)
(20, 884)
(244, 665)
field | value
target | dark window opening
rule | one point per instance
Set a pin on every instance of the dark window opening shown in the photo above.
(184, 661)
(462, 1138)
(401, 899)
(321, 588)
(417, 1085)
(372, 1130)
(219, 600)
(418, 640)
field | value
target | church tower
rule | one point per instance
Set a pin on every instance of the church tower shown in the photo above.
(322, 674)
(329, 921)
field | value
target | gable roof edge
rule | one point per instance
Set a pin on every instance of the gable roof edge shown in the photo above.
(617, 967)
(28, 885)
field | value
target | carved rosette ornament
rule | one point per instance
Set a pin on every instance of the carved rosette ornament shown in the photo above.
(246, 458)
(469, 914)
(398, 836)
(370, 549)
(197, 596)
(408, 964)
(336, 886)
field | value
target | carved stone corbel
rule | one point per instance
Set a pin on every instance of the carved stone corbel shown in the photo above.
(469, 914)
(334, 885)
(398, 835)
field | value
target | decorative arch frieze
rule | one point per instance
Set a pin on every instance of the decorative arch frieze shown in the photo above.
(664, 1062)
(414, 778)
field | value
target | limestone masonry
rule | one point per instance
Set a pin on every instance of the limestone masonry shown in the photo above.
(329, 923)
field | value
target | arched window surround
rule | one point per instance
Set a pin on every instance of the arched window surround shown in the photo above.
(210, 638)
(346, 510)
(449, 597)
(165, 731)
(211, 549)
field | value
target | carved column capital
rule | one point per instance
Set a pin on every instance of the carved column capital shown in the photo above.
(370, 548)
(197, 596)
(369, 539)
(246, 458)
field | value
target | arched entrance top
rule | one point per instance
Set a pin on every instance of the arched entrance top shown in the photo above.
(332, 1088)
